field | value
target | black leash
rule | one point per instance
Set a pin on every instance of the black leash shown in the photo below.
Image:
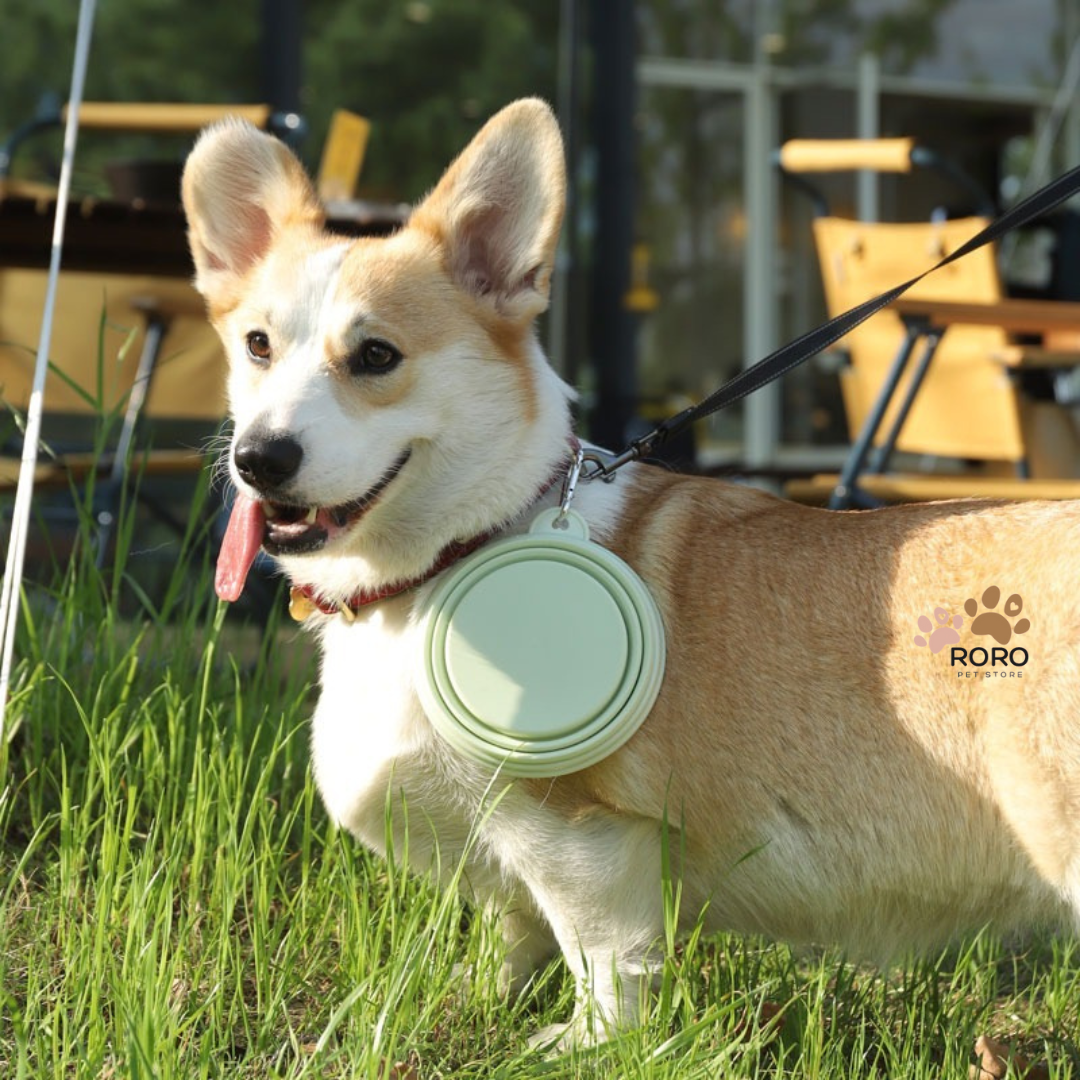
(811, 343)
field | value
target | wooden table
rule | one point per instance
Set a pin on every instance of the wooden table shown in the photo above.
(1013, 316)
(105, 236)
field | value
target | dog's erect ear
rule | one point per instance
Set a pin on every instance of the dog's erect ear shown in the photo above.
(241, 187)
(498, 208)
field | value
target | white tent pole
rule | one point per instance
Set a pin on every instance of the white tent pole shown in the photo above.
(24, 494)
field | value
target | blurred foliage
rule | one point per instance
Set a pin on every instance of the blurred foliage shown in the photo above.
(425, 72)
(792, 32)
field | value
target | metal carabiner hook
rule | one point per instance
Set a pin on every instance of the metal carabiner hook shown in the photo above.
(569, 486)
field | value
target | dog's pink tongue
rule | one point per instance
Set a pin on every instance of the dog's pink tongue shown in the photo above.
(243, 536)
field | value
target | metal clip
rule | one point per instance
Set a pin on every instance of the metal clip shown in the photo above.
(590, 464)
(604, 464)
(569, 486)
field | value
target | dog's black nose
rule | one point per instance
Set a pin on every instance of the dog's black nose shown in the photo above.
(267, 461)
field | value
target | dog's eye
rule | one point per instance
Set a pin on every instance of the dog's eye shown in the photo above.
(374, 357)
(258, 347)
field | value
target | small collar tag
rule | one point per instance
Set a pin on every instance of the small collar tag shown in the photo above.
(542, 653)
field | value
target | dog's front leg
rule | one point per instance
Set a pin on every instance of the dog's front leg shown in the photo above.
(596, 879)
(527, 938)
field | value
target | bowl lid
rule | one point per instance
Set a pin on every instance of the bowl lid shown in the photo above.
(542, 653)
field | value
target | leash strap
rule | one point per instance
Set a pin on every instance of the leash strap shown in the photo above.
(814, 341)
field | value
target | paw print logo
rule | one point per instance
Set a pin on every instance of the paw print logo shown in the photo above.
(993, 623)
(937, 637)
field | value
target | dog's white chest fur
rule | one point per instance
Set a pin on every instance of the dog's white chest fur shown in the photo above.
(369, 730)
(368, 719)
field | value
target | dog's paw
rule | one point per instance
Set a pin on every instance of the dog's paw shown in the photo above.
(555, 1040)
(993, 623)
(585, 1030)
(937, 637)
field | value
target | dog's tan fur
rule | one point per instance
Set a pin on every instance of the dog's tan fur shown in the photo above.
(822, 776)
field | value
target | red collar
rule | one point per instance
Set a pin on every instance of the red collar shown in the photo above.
(304, 601)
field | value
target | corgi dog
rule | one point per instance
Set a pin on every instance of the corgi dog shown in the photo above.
(868, 731)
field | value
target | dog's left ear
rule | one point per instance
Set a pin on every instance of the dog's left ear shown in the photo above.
(498, 208)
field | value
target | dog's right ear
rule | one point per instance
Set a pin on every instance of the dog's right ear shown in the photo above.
(241, 188)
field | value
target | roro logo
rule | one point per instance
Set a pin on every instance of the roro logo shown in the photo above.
(973, 658)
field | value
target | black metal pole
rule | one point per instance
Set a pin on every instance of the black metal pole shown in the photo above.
(564, 319)
(611, 324)
(281, 54)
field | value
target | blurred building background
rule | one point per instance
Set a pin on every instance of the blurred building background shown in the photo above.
(686, 258)
(991, 84)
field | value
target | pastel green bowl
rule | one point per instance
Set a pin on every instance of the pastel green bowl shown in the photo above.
(543, 653)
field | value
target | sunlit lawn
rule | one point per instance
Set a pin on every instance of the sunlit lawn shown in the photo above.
(175, 904)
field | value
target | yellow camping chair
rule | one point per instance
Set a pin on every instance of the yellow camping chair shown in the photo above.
(943, 389)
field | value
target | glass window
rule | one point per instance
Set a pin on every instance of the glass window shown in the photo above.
(691, 219)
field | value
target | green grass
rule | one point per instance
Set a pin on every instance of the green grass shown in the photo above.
(174, 903)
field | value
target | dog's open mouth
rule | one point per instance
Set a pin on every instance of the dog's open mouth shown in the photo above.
(297, 530)
(286, 529)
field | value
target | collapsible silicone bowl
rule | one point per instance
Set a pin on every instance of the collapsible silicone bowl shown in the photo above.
(542, 653)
